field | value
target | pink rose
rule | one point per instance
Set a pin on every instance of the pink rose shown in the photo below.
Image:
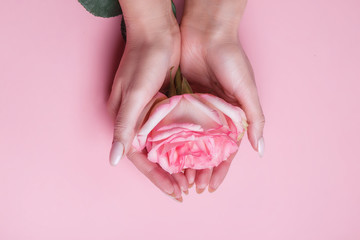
(190, 131)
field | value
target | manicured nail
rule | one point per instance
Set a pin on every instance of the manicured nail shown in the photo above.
(261, 147)
(199, 190)
(184, 190)
(180, 199)
(172, 194)
(190, 186)
(211, 190)
(116, 153)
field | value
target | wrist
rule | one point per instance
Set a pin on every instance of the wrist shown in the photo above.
(148, 19)
(214, 15)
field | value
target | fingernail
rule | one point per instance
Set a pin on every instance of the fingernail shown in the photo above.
(211, 190)
(184, 190)
(180, 199)
(172, 195)
(200, 190)
(261, 147)
(116, 153)
(190, 186)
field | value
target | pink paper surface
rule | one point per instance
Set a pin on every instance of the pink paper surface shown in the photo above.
(56, 66)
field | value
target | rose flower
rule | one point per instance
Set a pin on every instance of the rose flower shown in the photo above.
(190, 131)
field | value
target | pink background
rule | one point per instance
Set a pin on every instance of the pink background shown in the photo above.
(56, 67)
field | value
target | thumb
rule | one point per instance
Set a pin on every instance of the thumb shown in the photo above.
(248, 98)
(126, 122)
(238, 77)
(256, 123)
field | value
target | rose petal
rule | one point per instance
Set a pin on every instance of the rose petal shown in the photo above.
(236, 114)
(186, 112)
(211, 113)
(167, 131)
(157, 115)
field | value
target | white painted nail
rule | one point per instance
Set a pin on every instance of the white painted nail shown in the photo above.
(116, 153)
(179, 200)
(261, 147)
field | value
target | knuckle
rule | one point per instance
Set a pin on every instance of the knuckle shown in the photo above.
(260, 121)
(131, 155)
(121, 131)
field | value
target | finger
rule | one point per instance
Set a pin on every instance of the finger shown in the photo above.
(153, 172)
(247, 96)
(190, 175)
(124, 72)
(180, 178)
(219, 173)
(177, 192)
(137, 80)
(113, 101)
(238, 79)
(125, 125)
(202, 179)
(249, 101)
(133, 108)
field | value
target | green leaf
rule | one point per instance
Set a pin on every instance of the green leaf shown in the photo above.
(172, 89)
(102, 8)
(179, 85)
(178, 81)
(173, 8)
(123, 28)
(185, 86)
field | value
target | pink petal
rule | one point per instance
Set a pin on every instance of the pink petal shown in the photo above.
(200, 106)
(236, 114)
(157, 98)
(187, 112)
(167, 131)
(159, 112)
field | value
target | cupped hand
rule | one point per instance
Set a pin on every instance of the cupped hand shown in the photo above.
(152, 48)
(213, 61)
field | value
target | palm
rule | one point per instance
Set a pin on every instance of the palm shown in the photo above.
(218, 66)
(206, 63)
(141, 73)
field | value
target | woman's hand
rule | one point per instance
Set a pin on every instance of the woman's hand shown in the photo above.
(213, 61)
(152, 48)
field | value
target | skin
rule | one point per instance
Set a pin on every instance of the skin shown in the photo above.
(211, 58)
(213, 61)
(153, 46)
